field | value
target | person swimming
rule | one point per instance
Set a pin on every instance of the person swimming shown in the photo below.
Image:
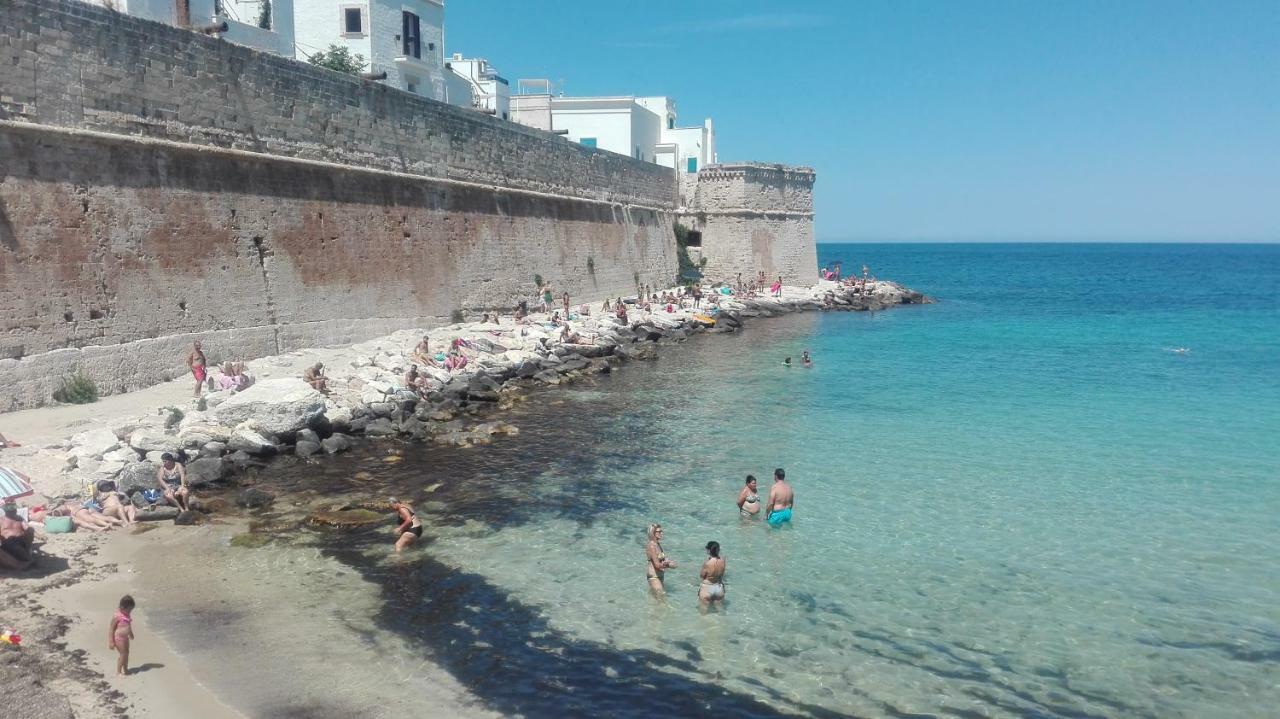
(781, 500)
(712, 575)
(786, 362)
(805, 359)
(749, 498)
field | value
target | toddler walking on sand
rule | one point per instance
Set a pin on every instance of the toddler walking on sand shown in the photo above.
(122, 633)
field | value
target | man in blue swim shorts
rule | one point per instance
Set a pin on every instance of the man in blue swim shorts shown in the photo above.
(781, 500)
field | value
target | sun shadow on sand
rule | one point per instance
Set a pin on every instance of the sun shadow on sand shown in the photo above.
(146, 667)
(508, 656)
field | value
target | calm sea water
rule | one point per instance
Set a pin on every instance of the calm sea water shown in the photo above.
(1020, 501)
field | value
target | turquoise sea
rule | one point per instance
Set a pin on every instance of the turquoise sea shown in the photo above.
(1022, 501)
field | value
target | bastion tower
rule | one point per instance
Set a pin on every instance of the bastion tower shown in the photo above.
(748, 217)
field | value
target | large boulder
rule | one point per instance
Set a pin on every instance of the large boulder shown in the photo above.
(205, 470)
(380, 427)
(250, 441)
(150, 439)
(94, 443)
(336, 443)
(274, 406)
(198, 435)
(137, 476)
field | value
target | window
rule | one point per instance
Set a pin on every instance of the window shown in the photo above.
(671, 123)
(504, 115)
(693, 164)
(411, 83)
(693, 239)
(412, 35)
(588, 141)
(352, 21)
(637, 155)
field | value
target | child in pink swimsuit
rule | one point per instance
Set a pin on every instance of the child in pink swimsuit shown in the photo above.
(121, 633)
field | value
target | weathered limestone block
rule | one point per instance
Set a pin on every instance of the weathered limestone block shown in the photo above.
(275, 406)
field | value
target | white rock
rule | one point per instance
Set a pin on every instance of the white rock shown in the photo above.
(152, 440)
(198, 435)
(94, 443)
(124, 454)
(361, 361)
(109, 469)
(276, 406)
(381, 386)
(250, 440)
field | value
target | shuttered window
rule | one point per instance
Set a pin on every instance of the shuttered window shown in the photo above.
(412, 35)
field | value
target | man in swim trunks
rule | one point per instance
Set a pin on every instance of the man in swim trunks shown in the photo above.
(781, 500)
(196, 361)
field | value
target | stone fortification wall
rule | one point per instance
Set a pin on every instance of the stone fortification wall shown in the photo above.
(755, 217)
(157, 185)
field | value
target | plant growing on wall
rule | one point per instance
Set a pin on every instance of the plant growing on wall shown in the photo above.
(457, 317)
(591, 266)
(264, 16)
(339, 59)
(77, 389)
(537, 280)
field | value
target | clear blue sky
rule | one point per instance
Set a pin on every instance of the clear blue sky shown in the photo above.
(1019, 120)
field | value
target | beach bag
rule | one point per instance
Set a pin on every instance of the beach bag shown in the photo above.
(151, 496)
(57, 525)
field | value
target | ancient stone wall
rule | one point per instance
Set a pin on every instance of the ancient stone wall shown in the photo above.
(157, 185)
(755, 217)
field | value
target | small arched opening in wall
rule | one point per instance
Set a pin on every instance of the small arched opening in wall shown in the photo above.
(693, 239)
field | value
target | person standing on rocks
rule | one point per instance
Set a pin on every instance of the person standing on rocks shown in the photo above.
(565, 299)
(408, 526)
(781, 500)
(197, 361)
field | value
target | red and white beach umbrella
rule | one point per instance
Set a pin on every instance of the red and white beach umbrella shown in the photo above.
(14, 484)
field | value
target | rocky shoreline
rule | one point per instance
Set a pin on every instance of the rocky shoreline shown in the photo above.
(229, 431)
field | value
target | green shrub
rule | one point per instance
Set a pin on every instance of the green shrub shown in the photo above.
(77, 389)
(537, 280)
(457, 317)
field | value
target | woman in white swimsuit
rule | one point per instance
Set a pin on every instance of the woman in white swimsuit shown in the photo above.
(712, 588)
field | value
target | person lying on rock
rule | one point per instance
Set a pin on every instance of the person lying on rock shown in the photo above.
(314, 376)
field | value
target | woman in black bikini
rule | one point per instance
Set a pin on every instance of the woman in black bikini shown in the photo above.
(408, 526)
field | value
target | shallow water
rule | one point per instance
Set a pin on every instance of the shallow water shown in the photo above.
(1017, 502)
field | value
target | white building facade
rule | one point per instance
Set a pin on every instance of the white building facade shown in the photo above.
(641, 127)
(404, 39)
(486, 90)
(241, 17)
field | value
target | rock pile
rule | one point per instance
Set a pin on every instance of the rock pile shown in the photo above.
(367, 397)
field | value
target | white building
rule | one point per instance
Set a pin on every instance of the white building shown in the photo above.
(641, 127)
(486, 90)
(404, 39)
(242, 20)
